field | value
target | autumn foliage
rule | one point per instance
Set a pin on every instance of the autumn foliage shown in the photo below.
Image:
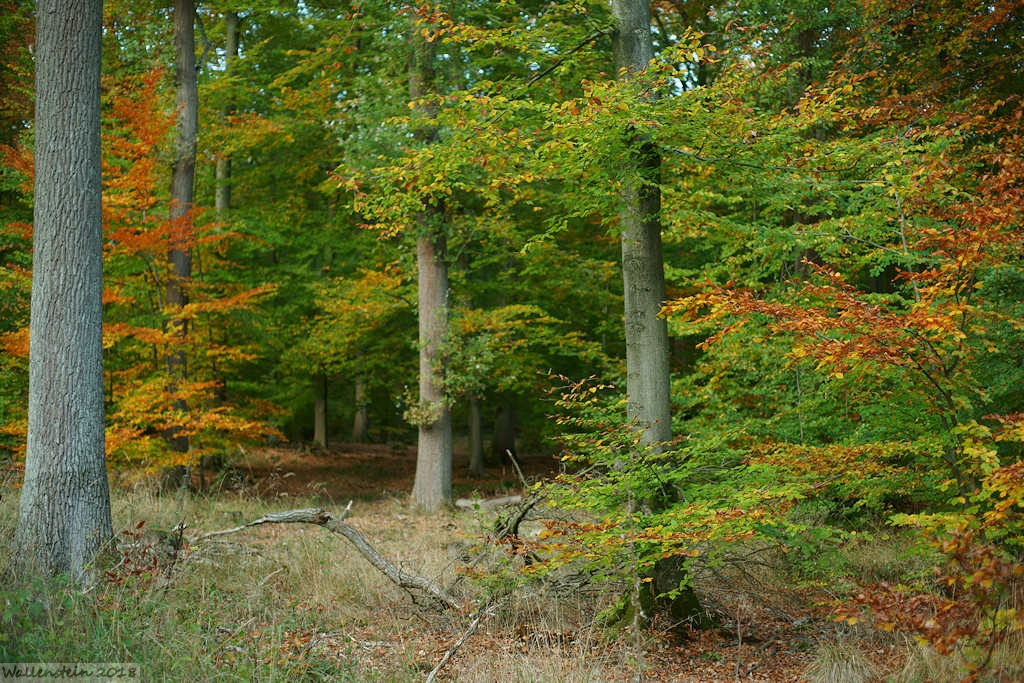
(841, 194)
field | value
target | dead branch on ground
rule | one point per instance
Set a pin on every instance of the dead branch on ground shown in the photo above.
(487, 503)
(337, 525)
(474, 624)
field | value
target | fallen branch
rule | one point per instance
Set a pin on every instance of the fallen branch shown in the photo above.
(337, 525)
(487, 503)
(502, 529)
(470, 630)
(303, 516)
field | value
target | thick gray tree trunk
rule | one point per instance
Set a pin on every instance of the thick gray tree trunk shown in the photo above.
(643, 274)
(433, 485)
(64, 515)
(179, 254)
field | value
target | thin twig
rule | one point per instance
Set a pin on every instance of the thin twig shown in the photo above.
(558, 62)
(515, 463)
(474, 624)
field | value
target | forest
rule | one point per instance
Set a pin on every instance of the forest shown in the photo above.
(644, 340)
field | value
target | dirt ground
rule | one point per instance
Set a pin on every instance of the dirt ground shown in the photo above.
(370, 471)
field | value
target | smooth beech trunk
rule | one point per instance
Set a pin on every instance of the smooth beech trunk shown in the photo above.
(647, 347)
(503, 443)
(361, 418)
(432, 488)
(433, 485)
(64, 516)
(643, 275)
(476, 439)
(643, 271)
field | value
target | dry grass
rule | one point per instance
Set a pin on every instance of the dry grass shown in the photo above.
(289, 602)
(294, 602)
(923, 663)
(840, 662)
(539, 638)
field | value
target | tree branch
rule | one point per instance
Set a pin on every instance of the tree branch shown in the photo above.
(558, 62)
(474, 624)
(337, 525)
(202, 35)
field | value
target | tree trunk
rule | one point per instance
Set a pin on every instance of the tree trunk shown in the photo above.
(476, 441)
(64, 516)
(643, 273)
(320, 409)
(222, 197)
(361, 419)
(182, 183)
(433, 485)
(647, 348)
(503, 444)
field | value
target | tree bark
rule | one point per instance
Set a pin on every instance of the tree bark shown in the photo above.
(64, 515)
(643, 275)
(643, 272)
(503, 442)
(433, 484)
(179, 253)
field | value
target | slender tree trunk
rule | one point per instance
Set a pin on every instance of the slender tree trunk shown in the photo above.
(222, 198)
(643, 274)
(320, 409)
(361, 419)
(476, 438)
(64, 515)
(182, 183)
(433, 485)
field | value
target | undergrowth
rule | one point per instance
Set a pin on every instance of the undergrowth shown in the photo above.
(293, 602)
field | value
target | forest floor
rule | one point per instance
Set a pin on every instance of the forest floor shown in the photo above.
(294, 602)
(768, 630)
(368, 472)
